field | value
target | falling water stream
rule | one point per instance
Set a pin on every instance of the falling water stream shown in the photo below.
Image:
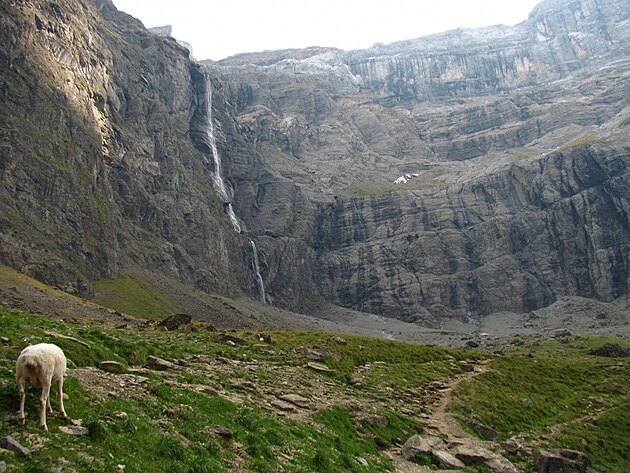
(259, 280)
(221, 189)
(217, 177)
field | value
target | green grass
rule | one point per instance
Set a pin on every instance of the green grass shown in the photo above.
(133, 296)
(167, 428)
(562, 394)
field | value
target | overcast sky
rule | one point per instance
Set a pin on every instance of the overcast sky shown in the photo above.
(220, 28)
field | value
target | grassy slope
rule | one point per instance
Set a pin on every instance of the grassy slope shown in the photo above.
(561, 396)
(166, 425)
(131, 295)
(166, 429)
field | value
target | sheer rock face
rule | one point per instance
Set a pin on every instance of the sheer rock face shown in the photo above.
(99, 170)
(516, 142)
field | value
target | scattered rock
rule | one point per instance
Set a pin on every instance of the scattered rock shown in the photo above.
(420, 445)
(263, 337)
(315, 355)
(378, 421)
(74, 430)
(499, 464)
(221, 431)
(484, 431)
(10, 443)
(283, 406)
(247, 385)
(546, 461)
(296, 399)
(175, 321)
(112, 366)
(527, 402)
(3, 467)
(338, 340)
(472, 344)
(470, 455)
(156, 363)
(318, 367)
(446, 460)
(363, 462)
(610, 350)
(512, 447)
(224, 337)
(4, 340)
(561, 333)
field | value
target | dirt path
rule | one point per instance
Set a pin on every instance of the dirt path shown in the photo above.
(445, 427)
(445, 422)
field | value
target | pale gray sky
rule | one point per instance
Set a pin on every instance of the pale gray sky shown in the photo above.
(220, 28)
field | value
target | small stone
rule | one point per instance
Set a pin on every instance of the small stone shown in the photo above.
(224, 337)
(527, 402)
(378, 421)
(247, 385)
(473, 455)
(561, 460)
(486, 432)
(318, 367)
(120, 467)
(499, 464)
(74, 430)
(296, 399)
(221, 431)
(264, 337)
(363, 462)
(4, 340)
(416, 445)
(159, 364)
(10, 443)
(446, 460)
(122, 416)
(175, 321)
(338, 340)
(283, 406)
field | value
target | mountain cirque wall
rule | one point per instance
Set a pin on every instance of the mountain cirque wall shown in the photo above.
(515, 140)
(100, 173)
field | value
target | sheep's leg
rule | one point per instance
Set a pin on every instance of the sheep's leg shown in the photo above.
(22, 397)
(43, 402)
(48, 406)
(60, 394)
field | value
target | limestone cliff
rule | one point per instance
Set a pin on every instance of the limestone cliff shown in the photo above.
(510, 147)
(514, 144)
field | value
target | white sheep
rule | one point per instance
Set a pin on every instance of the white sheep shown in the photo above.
(39, 365)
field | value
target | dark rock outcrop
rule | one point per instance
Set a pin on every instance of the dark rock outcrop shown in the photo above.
(100, 172)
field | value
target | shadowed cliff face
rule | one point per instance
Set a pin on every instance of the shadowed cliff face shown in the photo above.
(99, 171)
(515, 139)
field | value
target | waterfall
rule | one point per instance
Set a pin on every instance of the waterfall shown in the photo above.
(219, 186)
(259, 280)
(217, 177)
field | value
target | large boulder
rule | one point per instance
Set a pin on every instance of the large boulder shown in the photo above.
(561, 461)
